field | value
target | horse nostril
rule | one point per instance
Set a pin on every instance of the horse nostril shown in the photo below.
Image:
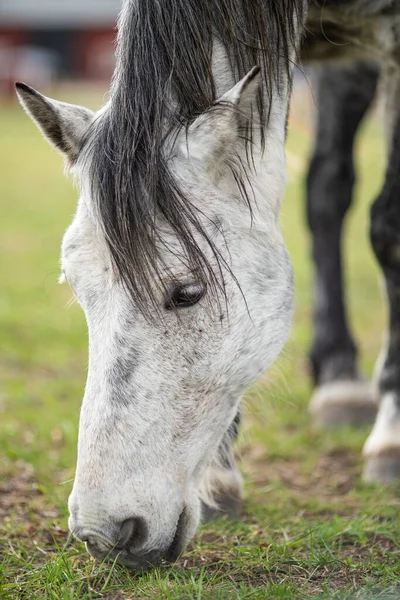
(127, 532)
(94, 538)
(133, 533)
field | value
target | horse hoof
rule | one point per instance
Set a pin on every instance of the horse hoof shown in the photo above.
(226, 504)
(344, 403)
(221, 494)
(382, 448)
(383, 468)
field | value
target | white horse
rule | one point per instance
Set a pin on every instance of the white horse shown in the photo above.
(176, 257)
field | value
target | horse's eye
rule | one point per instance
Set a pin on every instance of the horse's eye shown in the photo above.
(182, 296)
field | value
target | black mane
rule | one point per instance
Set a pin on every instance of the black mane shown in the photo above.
(163, 46)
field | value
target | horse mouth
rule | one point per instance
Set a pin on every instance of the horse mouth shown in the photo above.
(137, 560)
(181, 538)
(124, 557)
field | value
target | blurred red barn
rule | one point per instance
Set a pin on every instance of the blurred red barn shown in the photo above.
(43, 40)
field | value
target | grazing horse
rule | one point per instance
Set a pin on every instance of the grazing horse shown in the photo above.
(176, 257)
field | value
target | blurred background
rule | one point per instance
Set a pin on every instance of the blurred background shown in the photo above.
(50, 41)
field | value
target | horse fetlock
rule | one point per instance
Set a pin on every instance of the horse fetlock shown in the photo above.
(382, 448)
(334, 361)
(346, 402)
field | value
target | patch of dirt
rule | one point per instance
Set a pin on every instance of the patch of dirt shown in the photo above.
(23, 510)
(17, 489)
(334, 474)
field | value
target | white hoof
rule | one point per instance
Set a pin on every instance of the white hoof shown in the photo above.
(344, 403)
(382, 448)
(384, 468)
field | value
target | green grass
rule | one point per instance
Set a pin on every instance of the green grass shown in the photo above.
(310, 527)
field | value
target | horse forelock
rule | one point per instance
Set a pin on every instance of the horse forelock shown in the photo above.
(164, 76)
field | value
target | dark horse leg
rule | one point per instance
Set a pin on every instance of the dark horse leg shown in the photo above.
(382, 448)
(344, 94)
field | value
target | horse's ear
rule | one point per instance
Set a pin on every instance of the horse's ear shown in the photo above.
(63, 125)
(215, 133)
(243, 94)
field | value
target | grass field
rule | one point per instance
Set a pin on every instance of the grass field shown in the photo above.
(310, 527)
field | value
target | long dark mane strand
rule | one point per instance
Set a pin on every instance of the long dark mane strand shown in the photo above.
(165, 51)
